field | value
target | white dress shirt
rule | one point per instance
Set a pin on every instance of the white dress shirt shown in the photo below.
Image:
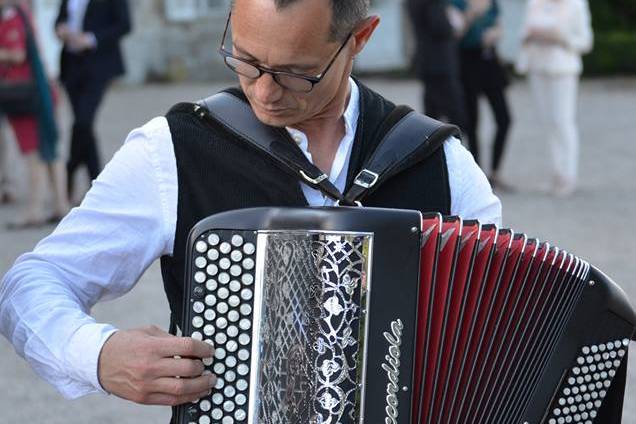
(125, 223)
(76, 10)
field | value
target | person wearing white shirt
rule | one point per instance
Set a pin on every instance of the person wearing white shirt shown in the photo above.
(555, 35)
(136, 210)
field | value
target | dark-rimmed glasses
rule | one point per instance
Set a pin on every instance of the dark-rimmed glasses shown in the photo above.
(289, 80)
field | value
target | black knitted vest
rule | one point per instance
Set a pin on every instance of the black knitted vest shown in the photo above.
(217, 172)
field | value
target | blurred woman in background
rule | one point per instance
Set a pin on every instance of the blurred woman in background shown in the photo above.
(35, 133)
(555, 35)
(483, 74)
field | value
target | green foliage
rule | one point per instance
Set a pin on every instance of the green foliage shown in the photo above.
(613, 15)
(614, 53)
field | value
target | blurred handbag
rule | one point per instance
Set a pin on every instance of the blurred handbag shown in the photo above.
(18, 98)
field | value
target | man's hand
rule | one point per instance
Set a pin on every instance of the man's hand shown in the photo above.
(63, 32)
(152, 367)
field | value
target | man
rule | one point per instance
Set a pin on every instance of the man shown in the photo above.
(436, 59)
(294, 60)
(91, 31)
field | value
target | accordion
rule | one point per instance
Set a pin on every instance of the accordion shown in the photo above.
(365, 315)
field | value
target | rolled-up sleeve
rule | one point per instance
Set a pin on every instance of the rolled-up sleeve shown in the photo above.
(99, 251)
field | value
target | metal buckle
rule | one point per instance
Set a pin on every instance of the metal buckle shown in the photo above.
(314, 181)
(357, 203)
(366, 179)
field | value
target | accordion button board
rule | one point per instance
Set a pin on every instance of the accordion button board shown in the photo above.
(352, 315)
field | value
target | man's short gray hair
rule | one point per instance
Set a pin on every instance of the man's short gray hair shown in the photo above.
(346, 15)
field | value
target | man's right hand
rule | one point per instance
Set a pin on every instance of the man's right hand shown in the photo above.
(152, 367)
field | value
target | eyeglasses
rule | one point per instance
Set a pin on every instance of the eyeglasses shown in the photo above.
(288, 80)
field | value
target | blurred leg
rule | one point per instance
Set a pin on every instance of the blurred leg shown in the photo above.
(565, 89)
(57, 176)
(501, 111)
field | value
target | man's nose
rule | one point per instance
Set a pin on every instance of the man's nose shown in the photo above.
(267, 90)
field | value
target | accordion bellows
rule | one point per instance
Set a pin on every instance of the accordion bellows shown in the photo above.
(352, 315)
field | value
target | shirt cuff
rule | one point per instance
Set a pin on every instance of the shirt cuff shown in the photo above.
(92, 39)
(82, 353)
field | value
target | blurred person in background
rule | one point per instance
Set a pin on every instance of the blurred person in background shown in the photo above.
(91, 31)
(7, 194)
(483, 74)
(555, 34)
(36, 133)
(436, 60)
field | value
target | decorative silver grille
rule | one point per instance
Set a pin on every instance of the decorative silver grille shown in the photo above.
(311, 302)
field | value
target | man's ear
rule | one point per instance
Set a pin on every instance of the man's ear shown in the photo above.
(363, 31)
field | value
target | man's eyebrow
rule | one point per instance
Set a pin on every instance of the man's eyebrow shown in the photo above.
(295, 66)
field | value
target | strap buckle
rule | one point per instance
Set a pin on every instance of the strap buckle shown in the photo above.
(366, 179)
(314, 181)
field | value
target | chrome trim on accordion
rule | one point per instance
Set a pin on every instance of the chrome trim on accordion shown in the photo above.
(311, 300)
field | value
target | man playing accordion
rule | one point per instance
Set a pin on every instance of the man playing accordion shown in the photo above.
(294, 60)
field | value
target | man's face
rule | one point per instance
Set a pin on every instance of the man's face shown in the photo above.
(294, 39)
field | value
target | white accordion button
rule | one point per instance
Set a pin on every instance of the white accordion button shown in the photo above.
(244, 339)
(217, 414)
(242, 386)
(240, 399)
(210, 315)
(213, 254)
(229, 391)
(236, 255)
(205, 405)
(224, 278)
(240, 415)
(244, 355)
(247, 279)
(201, 247)
(225, 263)
(245, 309)
(232, 331)
(208, 330)
(237, 240)
(234, 301)
(225, 248)
(197, 322)
(212, 270)
(210, 300)
(230, 361)
(249, 249)
(217, 398)
(235, 270)
(228, 406)
(222, 308)
(200, 262)
(211, 285)
(198, 307)
(213, 239)
(233, 316)
(204, 419)
(246, 294)
(248, 263)
(199, 277)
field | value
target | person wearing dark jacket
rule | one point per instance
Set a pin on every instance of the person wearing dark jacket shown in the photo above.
(91, 31)
(436, 60)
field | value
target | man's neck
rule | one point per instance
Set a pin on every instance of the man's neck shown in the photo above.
(325, 133)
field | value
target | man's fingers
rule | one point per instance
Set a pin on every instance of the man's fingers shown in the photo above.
(182, 367)
(170, 400)
(184, 387)
(185, 347)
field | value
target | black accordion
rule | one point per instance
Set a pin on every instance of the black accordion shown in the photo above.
(363, 315)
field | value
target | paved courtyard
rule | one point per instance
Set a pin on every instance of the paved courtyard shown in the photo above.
(596, 223)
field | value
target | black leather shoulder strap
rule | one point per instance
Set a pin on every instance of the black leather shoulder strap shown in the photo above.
(413, 139)
(237, 116)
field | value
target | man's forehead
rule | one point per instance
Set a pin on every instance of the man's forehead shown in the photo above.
(312, 17)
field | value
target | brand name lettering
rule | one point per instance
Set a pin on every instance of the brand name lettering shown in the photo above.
(392, 368)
